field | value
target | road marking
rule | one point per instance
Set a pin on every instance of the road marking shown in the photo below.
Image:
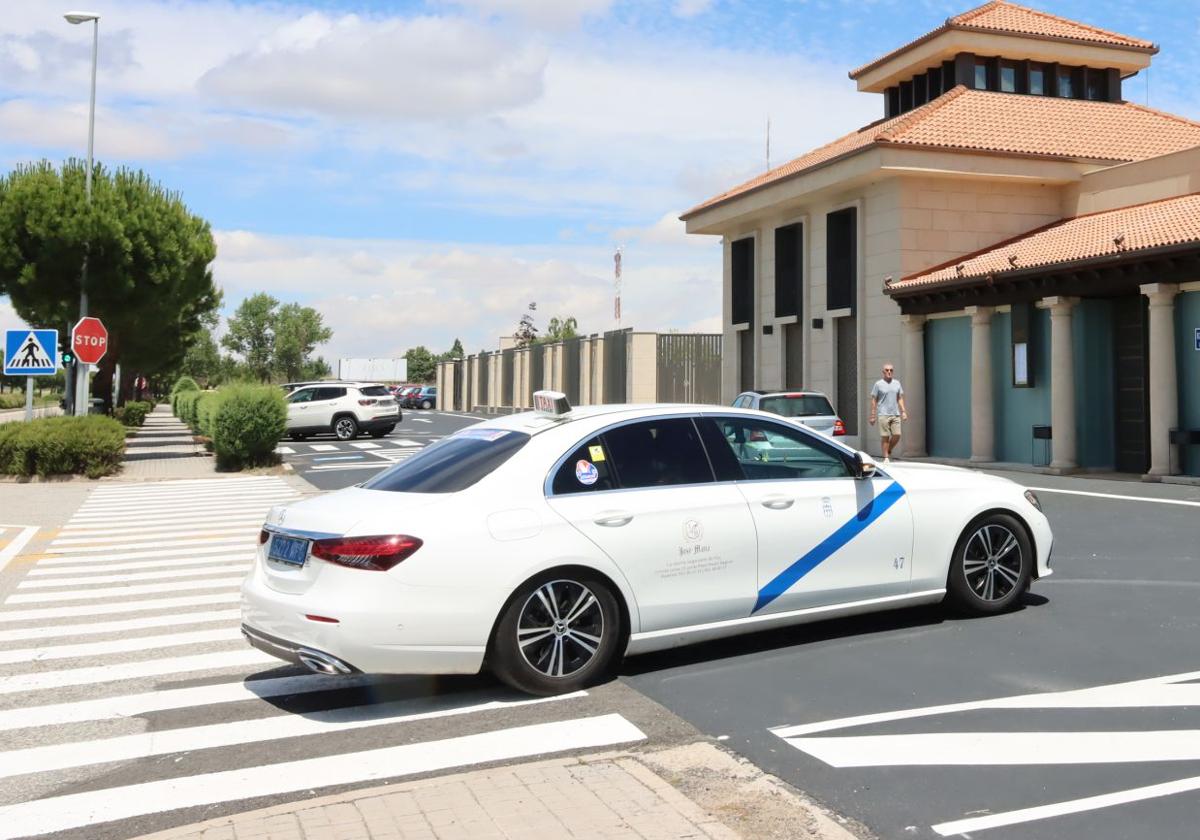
(139, 509)
(1070, 806)
(131, 577)
(77, 810)
(322, 447)
(100, 627)
(208, 533)
(166, 640)
(87, 568)
(182, 519)
(118, 671)
(336, 467)
(228, 547)
(285, 450)
(1002, 748)
(225, 523)
(14, 546)
(364, 444)
(1153, 691)
(164, 742)
(409, 443)
(130, 705)
(339, 458)
(180, 547)
(166, 496)
(189, 513)
(82, 610)
(102, 592)
(421, 420)
(1115, 496)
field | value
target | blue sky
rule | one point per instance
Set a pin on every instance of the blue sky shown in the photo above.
(421, 170)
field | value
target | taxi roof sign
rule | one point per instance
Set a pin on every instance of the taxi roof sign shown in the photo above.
(551, 403)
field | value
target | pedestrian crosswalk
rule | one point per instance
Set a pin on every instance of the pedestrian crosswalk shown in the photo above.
(121, 644)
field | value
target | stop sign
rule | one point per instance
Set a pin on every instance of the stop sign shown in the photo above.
(89, 338)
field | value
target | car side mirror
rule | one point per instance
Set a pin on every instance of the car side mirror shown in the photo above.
(864, 466)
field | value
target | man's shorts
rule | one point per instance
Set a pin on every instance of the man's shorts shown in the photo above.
(889, 425)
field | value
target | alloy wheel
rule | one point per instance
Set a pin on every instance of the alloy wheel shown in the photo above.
(560, 628)
(992, 562)
(344, 428)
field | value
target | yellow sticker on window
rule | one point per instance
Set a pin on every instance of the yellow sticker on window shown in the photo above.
(597, 453)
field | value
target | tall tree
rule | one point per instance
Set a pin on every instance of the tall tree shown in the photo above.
(148, 261)
(422, 367)
(562, 328)
(526, 332)
(298, 331)
(252, 334)
(455, 352)
(202, 361)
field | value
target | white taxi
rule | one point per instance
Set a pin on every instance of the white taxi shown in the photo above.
(547, 545)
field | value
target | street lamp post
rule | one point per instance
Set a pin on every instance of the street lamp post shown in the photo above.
(81, 377)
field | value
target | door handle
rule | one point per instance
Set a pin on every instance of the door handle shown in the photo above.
(614, 519)
(778, 502)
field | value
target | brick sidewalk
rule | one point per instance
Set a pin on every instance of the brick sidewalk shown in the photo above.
(164, 448)
(609, 796)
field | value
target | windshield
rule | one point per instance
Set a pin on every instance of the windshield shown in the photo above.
(375, 391)
(797, 405)
(451, 464)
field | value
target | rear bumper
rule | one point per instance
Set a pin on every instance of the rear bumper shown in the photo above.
(375, 423)
(295, 653)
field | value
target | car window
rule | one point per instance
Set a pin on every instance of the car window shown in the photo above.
(657, 453)
(329, 394)
(586, 469)
(767, 451)
(375, 391)
(305, 395)
(797, 405)
(453, 463)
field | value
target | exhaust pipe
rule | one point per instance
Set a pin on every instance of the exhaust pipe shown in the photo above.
(323, 663)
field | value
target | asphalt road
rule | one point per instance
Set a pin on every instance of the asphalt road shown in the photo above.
(331, 464)
(1121, 762)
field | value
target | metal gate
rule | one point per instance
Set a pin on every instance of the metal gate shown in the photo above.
(571, 370)
(847, 372)
(481, 398)
(507, 390)
(689, 368)
(616, 354)
(537, 371)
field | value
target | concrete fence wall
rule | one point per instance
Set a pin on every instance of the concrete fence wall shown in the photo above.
(585, 367)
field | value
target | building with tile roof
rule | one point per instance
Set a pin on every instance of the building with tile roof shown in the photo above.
(1021, 240)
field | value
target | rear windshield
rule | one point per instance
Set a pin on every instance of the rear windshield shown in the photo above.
(798, 405)
(375, 391)
(451, 464)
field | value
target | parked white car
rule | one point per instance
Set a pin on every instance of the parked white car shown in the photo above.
(808, 408)
(546, 545)
(344, 408)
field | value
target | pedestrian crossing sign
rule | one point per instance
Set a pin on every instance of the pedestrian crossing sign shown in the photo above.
(30, 352)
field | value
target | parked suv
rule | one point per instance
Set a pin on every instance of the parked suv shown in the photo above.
(344, 408)
(808, 408)
(423, 397)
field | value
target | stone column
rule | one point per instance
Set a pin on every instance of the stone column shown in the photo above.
(1062, 382)
(912, 377)
(1164, 387)
(983, 415)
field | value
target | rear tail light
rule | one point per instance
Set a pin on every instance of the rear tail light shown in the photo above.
(757, 436)
(366, 402)
(839, 428)
(376, 554)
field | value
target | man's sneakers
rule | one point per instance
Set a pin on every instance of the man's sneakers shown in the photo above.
(887, 460)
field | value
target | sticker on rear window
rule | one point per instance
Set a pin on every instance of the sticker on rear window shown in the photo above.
(597, 453)
(484, 434)
(586, 472)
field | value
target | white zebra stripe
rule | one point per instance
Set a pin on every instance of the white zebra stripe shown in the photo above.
(244, 521)
(224, 548)
(241, 528)
(118, 671)
(138, 643)
(83, 610)
(180, 546)
(90, 594)
(100, 627)
(169, 563)
(132, 577)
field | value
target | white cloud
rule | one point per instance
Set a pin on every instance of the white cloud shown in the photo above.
(424, 68)
(547, 13)
(691, 8)
(369, 290)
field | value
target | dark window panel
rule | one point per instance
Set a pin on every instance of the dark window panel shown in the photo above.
(1008, 76)
(920, 90)
(980, 81)
(1113, 76)
(789, 270)
(892, 102)
(906, 96)
(1037, 79)
(935, 82)
(1065, 83)
(841, 258)
(1095, 84)
(964, 69)
(742, 268)
(948, 71)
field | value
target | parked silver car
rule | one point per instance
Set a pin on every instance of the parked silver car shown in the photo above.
(811, 409)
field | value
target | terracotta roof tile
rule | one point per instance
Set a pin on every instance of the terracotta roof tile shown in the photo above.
(1172, 221)
(1007, 124)
(1010, 19)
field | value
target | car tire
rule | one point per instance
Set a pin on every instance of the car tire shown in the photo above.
(426, 404)
(380, 433)
(345, 428)
(533, 644)
(991, 567)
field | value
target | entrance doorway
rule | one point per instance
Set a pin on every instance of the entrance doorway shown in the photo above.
(1131, 395)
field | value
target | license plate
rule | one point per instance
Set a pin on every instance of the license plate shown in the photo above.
(289, 550)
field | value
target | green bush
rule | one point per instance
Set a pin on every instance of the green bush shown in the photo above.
(248, 422)
(185, 405)
(133, 413)
(205, 410)
(90, 446)
(184, 383)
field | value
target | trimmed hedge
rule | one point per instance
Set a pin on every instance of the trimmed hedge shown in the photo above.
(206, 412)
(185, 406)
(90, 446)
(133, 413)
(183, 385)
(247, 422)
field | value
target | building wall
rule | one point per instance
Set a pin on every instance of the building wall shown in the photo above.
(948, 387)
(1092, 329)
(1018, 410)
(1187, 321)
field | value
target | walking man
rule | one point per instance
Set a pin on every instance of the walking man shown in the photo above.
(887, 403)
